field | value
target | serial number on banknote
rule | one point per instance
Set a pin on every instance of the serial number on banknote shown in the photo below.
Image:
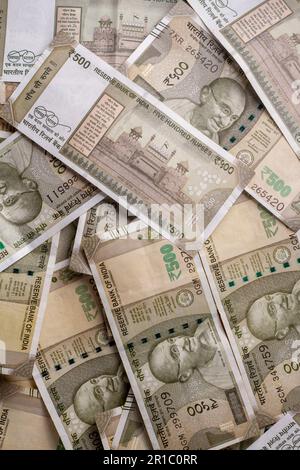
(62, 189)
(272, 200)
(269, 363)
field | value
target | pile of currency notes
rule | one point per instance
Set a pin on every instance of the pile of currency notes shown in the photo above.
(149, 224)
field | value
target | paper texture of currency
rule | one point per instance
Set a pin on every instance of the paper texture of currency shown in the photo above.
(4, 135)
(26, 27)
(125, 142)
(77, 370)
(5, 129)
(38, 197)
(149, 228)
(99, 218)
(107, 423)
(184, 66)
(6, 90)
(23, 293)
(105, 216)
(66, 241)
(172, 345)
(263, 37)
(111, 29)
(284, 435)
(131, 433)
(24, 421)
(253, 269)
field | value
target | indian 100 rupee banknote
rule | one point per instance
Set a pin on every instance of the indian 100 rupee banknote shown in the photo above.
(38, 197)
(77, 370)
(105, 216)
(24, 289)
(253, 266)
(184, 66)
(112, 30)
(126, 142)
(25, 423)
(130, 432)
(179, 363)
(263, 37)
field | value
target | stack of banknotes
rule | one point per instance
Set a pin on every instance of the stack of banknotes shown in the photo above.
(149, 224)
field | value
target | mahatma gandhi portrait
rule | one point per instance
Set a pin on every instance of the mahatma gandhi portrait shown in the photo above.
(272, 316)
(176, 359)
(100, 394)
(20, 199)
(221, 104)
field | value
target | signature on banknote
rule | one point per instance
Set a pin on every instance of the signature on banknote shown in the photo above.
(52, 120)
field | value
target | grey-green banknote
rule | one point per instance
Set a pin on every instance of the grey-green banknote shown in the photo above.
(263, 37)
(284, 435)
(38, 197)
(183, 65)
(126, 142)
(77, 370)
(172, 345)
(105, 216)
(66, 242)
(24, 288)
(111, 29)
(130, 432)
(123, 428)
(253, 265)
(25, 423)
(107, 423)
